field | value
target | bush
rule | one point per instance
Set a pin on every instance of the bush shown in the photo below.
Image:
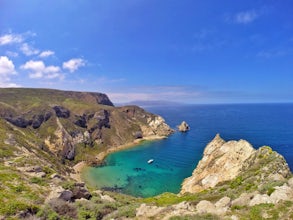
(38, 181)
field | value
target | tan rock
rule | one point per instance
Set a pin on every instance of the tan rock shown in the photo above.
(145, 211)
(259, 199)
(183, 127)
(205, 206)
(223, 203)
(284, 193)
(243, 199)
(290, 182)
(107, 198)
(222, 161)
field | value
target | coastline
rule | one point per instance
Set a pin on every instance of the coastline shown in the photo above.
(81, 166)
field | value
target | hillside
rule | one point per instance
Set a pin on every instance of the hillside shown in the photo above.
(45, 133)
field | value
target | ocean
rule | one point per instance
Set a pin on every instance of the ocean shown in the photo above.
(175, 158)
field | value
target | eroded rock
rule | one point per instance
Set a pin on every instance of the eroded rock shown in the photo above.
(183, 127)
(61, 112)
(222, 161)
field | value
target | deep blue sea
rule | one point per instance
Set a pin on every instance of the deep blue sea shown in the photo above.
(176, 157)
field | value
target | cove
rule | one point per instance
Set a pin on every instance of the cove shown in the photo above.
(128, 171)
(175, 158)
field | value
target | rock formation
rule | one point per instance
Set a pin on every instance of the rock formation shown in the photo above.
(223, 161)
(44, 133)
(183, 127)
(65, 121)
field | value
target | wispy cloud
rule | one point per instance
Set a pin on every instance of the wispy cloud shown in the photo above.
(273, 53)
(12, 54)
(246, 17)
(207, 40)
(243, 17)
(46, 53)
(74, 64)
(37, 70)
(105, 80)
(147, 93)
(11, 39)
(28, 50)
(7, 69)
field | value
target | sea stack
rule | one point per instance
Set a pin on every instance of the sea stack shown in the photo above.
(183, 127)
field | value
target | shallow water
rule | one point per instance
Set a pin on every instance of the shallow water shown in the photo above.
(175, 158)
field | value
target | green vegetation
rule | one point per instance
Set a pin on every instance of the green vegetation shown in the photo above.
(23, 148)
(196, 217)
(16, 194)
(166, 199)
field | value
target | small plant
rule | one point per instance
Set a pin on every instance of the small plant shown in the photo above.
(236, 182)
(39, 181)
(68, 185)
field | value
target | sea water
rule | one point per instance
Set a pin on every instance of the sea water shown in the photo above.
(175, 158)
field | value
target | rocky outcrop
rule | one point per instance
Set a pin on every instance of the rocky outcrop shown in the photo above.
(183, 127)
(65, 121)
(149, 124)
(23, 121)
(61, 112)
(222, 161)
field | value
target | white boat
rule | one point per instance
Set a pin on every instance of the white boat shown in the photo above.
(151, 160)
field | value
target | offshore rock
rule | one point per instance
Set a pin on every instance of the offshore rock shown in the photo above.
(183, 127)
(222, 161)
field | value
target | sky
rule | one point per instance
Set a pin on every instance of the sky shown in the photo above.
(190, 51)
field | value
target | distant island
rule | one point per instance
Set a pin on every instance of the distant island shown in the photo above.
(144, 103)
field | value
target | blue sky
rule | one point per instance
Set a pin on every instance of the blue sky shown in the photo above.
(192, 51)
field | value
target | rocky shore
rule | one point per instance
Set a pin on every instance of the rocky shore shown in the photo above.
(232, 181)
(46, 134)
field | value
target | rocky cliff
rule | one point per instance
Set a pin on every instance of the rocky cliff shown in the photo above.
(44, 133)
(223, 161)
(74, 125)
(232, 181)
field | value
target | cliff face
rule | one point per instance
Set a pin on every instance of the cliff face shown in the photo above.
(223, 161)
(44, 133)
(76, 125)
(232, 181)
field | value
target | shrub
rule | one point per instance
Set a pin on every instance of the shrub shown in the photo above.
(38, 181)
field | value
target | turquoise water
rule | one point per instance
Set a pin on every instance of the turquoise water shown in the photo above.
(175, 158)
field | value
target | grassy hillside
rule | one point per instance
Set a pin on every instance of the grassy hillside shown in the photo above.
(44, 133)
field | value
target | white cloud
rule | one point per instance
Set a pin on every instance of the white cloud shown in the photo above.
(37, 70)
(10, 39)
(11, 54)
(73, 64)
(6, 66)
(246, 17)
(6, 70)
(46, 53)
(28, 50)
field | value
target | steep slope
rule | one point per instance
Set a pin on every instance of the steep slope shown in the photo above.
(70, 124)
(44, 133)
(223, 161)
(232, 181)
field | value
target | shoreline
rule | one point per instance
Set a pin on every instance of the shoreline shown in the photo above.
(79, 167)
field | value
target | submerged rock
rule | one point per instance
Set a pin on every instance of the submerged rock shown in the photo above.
(183, 127)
